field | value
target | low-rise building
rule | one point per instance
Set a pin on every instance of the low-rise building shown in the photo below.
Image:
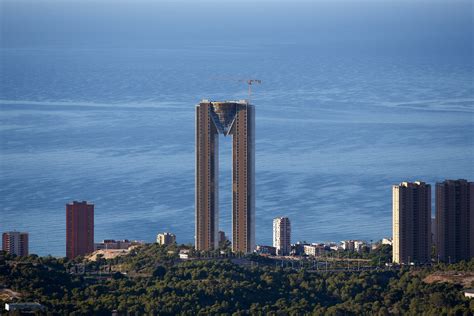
(469, 293)
(347, 245)
(354, 245)
(387, 241)
(24, 307)
(265, 250)
(166, 239)
(334, 247)
(309, 250)
(315, 250)
(298, 248)
(360, 246)
(221, 238)
(184, 254)
(107, 244)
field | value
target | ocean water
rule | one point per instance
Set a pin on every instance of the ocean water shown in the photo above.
(110, 119)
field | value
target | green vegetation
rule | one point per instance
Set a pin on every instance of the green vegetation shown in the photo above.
(377, 257)
(153, 281)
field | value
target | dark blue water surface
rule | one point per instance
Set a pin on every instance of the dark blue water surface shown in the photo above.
(97, 104)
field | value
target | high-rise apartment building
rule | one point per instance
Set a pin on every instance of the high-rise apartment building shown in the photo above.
(166, 239)
(455, 220)
(282, 235)
(79, 229)
(15, 243)
(411, 222)
(433, 231)
(235, 118)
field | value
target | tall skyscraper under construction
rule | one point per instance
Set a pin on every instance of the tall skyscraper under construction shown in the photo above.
(235, 118)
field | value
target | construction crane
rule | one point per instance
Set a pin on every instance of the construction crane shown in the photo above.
(250, 82)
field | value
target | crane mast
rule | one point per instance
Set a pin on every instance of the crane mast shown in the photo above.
(251, 82)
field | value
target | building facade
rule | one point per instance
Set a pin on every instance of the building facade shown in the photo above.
(79, 229)
(282, 235)
(387, 241)
(314, 250)
(265, 250)
(297, 249)
(166, 239)
(115, 244)
(348, 245)
(24, 308)
(455, 220)
(361, 246)
(222, 239)
(411, 222)
(235, 118)
(15, 243)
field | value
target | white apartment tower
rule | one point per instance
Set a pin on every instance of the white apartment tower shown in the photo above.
(282, 235)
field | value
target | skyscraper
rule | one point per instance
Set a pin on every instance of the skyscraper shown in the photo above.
(455, 220)
(411, 222)
(282, 235)
(235, 118)
(79, 229)
(15, 243)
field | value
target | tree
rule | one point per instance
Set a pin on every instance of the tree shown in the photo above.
(159, 272)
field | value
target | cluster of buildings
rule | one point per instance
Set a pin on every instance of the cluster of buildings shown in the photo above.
(415, 233)
(235, 118)
(453, 224)
(282, 245)
(79, 235)
(412, 223)
(320, 249)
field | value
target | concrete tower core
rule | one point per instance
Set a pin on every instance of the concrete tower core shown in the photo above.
(236, 118)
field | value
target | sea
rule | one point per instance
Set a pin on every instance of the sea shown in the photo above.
(97, 103)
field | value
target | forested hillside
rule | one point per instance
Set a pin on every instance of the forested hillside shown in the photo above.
(156, 282)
